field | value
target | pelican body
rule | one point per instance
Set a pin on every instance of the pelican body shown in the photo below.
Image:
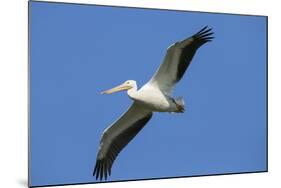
(154, 96)
(150, 97)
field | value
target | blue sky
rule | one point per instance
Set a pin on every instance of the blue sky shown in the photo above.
(77, 51)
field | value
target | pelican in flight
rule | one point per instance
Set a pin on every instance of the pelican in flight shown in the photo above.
(154, 96)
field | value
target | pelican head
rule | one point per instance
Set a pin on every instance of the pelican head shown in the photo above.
(129, 84)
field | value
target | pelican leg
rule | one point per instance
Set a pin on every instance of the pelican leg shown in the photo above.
(180, 108)
(179, 104)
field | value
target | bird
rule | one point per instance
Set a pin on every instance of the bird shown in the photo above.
(154, 96)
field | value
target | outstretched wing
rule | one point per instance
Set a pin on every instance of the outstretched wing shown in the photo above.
(177, 59)
(117, 136)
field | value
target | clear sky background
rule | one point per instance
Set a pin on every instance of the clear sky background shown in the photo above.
(77, 51)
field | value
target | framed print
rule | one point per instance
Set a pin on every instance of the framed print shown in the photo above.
(121, 94)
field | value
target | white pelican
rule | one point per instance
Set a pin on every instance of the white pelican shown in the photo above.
(154, 96)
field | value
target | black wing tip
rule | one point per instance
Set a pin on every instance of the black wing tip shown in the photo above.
(204, 35)
(102, 169)
(97, 169)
